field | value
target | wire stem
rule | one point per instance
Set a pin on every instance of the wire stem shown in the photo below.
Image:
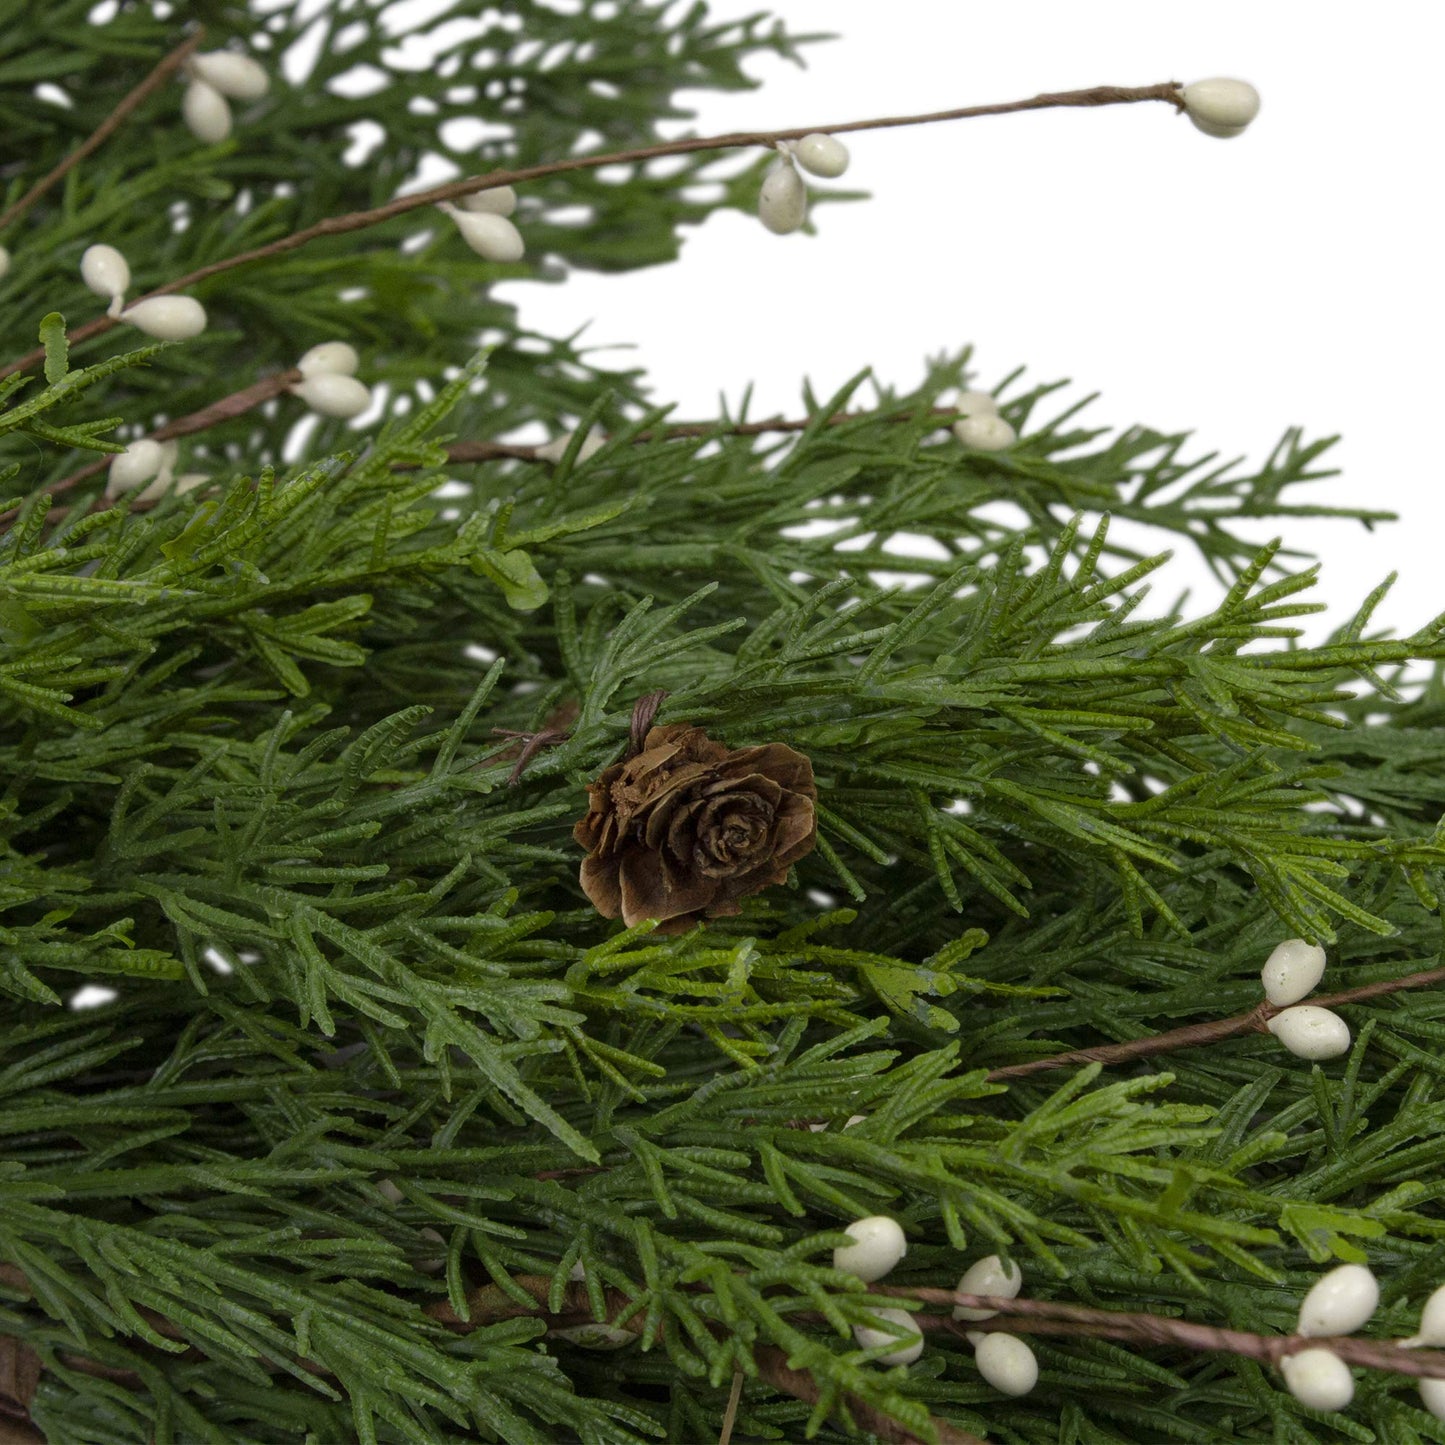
(1097, 95)
(1256, 1021)
(1050, 1317)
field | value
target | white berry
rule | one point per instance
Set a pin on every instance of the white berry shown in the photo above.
(330, 357)
(984, 431)
(106, 272)
(168, 318)
(1340, 1302)
(235, 75)
(879, 1245)
(1007, 1363)
(1291, 971)
(976, 403)
(1311, 1032)
(592, 443)
(1432, 1397)
(206, 113)
(332, 394)
(822, 154)
(783, 200)
(492, 237)
(4, 261)
(907, 1350)
(138, 463)
(1318, 1378)
(1432, 1322)
(1221, 107)
(988, 1276)
(498, 201)
(388, 1190)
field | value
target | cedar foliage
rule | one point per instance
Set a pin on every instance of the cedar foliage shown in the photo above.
(250, 779)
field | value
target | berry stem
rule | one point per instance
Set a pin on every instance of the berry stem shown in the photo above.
(1192, 1035)
(1169, 91)
(1050, 1317)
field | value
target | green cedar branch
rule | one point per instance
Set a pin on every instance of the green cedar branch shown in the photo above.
(1169, 91)
(112, 123)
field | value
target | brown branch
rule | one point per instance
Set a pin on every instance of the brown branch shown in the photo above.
(1192, 1035)
(107, 128)
(1047, 1317)
(495, 451)
(454, 190)
(229, 407)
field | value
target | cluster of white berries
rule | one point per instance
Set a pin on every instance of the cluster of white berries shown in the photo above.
(1004, 1360)
(878, 1245)
(483, 218)
(1338, 1304)
(145, 460)
(1306, 1030)
(979, 425)
(783, 200)
(168, 318)
(328, 382)
(210, 81)
(1221, 107)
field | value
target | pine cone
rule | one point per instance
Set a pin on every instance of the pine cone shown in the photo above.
(687, 827)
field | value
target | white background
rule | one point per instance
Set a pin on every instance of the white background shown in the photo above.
(1287, 277)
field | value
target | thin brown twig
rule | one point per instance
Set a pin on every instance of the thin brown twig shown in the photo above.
(1192, 1035)
(1098, 95)
(1050, 1317)
(532, 744)
(237, 403)
(644, 710)
(103, 132)
(495, 451)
